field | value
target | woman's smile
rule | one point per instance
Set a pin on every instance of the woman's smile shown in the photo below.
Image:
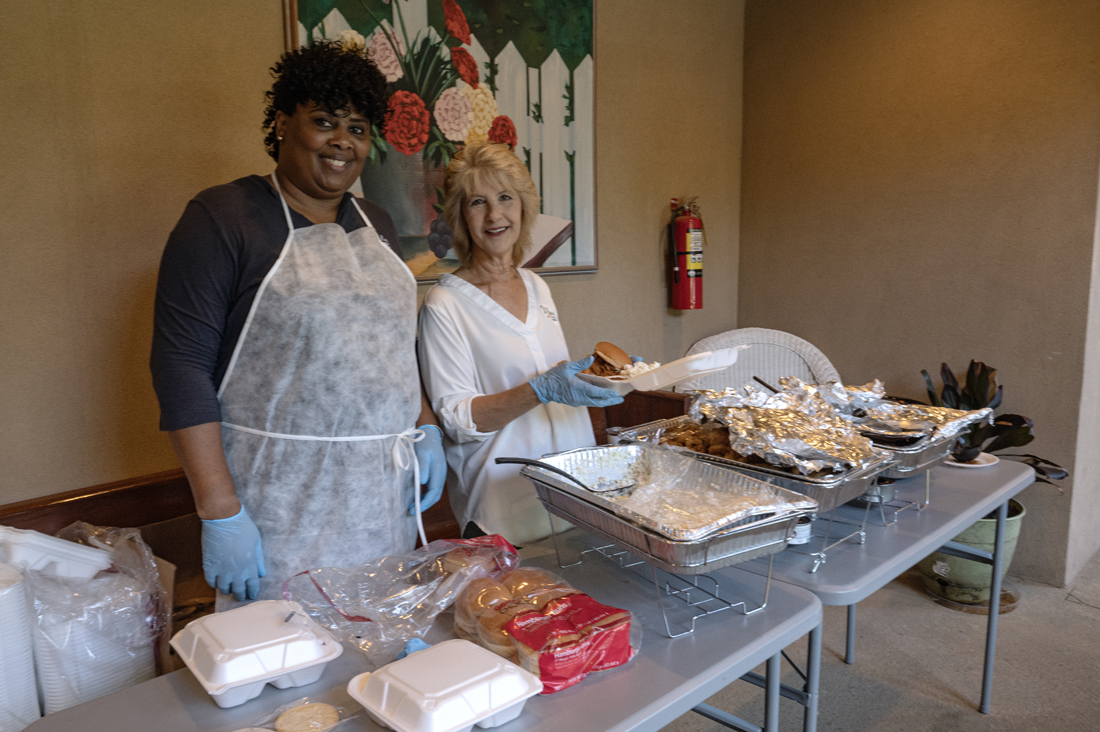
(493, 217)
(322, 151)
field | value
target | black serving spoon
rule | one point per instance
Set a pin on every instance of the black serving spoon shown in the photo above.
(553, 469)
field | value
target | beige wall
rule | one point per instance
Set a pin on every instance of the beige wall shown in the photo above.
(115, 113)
(920, 185)
(668, 123)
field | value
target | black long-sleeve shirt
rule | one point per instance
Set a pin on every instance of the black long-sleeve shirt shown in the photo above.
(225, 243)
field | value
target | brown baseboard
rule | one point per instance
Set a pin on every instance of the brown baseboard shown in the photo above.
(147, 499)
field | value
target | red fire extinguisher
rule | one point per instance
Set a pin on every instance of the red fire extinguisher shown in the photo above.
(686, 243)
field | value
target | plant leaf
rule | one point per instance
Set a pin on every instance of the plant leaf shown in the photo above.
(996, 400)
(966, 455)
(933, 399)
(979, 384)
(951, 396)
(948, 377)
(1045, 470)
(1012, 437)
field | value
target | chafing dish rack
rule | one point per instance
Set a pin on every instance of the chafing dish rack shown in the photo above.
(677, 515)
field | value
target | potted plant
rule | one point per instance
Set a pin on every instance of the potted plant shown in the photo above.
(1008, 430)
(961, 580)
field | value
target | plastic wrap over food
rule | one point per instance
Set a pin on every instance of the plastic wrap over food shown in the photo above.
(942, 421)
(675, 495)
(546, 626)
(380, 605)
(795, 427)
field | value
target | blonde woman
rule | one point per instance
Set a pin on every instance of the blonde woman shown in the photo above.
(492, 354)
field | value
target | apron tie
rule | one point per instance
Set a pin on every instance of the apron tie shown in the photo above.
(402, 453)
(403, 449)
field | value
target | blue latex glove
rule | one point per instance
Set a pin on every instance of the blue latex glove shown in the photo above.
(433, 467)
(232, 556)
(560, 384)
(636, 359)
(412, 646)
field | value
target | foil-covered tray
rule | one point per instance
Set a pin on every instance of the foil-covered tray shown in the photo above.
(757, 537)
(672, 495)
(924, 455)
(829, 491)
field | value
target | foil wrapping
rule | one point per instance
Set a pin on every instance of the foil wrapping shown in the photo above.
(941, 421)
(870, 409)
(849, 399)
(793, 428)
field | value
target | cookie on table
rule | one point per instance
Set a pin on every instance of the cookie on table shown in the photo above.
(315, 717)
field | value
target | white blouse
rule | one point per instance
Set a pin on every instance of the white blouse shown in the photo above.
(470, 346)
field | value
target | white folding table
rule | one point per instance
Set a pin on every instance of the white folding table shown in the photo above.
(669, 677)
(853, 571)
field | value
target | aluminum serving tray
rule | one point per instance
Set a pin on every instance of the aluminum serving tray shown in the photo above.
(757, 536)
(672, 495)
(829, 492)
(693, 549)
(926, 454)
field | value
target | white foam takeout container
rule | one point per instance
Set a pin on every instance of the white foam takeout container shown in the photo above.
(50, 555)
(449, 687)
(671, 374)
(234, 653)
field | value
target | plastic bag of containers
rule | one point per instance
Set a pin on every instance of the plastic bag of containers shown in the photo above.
(18, 696)
(548, 627)
(93, 636)
(380, 605)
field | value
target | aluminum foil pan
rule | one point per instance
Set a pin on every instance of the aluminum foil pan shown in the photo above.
(829, 490)
(756, 536)
(887, 434)
(921, 456)
(794, 427)
(674, 496)
(940, 421)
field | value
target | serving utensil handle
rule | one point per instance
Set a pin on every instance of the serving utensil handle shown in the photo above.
(539, 464)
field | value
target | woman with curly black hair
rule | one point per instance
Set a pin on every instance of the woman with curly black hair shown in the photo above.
(284, 347)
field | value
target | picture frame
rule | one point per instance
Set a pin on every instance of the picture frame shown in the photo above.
(515, 71)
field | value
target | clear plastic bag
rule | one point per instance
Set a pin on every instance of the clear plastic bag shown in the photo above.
(311, 715)
(18, 696)
(95, 636)
(380, 605)
(549, 628)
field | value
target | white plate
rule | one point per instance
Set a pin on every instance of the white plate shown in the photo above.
(671, 374)
(984, 460)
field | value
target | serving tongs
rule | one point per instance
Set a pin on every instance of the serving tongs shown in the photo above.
(620, 489)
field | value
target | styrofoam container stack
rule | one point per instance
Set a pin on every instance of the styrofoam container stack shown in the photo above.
(77, 662)
(233, 654)
(18, 696)
(50, 555)
(449, 687)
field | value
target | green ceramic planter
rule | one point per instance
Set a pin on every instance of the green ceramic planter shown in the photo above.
(965, 581)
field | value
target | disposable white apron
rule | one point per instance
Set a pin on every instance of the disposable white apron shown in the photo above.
(319, 403)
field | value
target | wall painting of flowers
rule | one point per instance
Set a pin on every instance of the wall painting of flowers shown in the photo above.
(512, 71)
